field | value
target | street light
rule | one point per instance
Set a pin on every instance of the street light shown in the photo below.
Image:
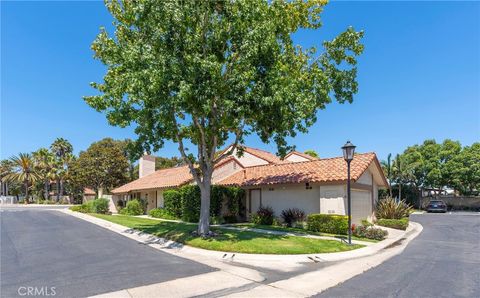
(348, 152)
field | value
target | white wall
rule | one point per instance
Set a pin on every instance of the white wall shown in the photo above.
(291, 196)
(249, 160)
(296, 158)
(225, 170)
(332, 199)
(366, 178)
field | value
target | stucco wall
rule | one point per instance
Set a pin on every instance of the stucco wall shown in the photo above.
(365, 178)
(225, 170)
(296, 158)
(249, 160)
(326, 199)
(291, 196)
(332, 199)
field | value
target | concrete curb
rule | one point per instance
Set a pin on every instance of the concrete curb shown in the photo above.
(240, 257)
(248, 282)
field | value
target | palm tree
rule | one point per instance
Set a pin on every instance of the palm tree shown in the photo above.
(63, 173)
(388, 170)
(46, 165)
(23, 171)
(61, 148)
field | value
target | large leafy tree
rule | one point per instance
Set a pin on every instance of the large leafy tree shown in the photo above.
(463, 170)
(102, 166)
(210, 72)
(23, 171)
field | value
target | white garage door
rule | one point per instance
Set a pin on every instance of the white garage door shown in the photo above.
(361, 205)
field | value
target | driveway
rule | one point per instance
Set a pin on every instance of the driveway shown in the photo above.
(443, 261)
(44, 248)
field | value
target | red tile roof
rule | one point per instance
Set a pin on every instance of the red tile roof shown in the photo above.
(321, 170)
(309, 157)
(88, 191)
(265, 155)
(165, 178)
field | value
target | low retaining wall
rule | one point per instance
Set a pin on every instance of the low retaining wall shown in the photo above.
(456, 203)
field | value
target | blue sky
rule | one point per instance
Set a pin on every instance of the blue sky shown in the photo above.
(419, 77)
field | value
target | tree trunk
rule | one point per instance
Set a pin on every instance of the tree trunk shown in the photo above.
(390, 189)
(205, 189)
(61, 188)
(399, 191)
(46, 189)
(26, 192)
(58, 190)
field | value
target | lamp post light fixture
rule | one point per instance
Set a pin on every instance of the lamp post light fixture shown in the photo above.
(348, 152)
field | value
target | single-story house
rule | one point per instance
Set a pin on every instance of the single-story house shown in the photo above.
(88, 194)
(298, 181)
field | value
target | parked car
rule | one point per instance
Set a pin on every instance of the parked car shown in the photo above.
(436, 206)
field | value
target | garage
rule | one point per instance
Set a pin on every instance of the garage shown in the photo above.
(361, 205)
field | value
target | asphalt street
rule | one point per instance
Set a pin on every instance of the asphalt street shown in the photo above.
(47, 249)
(443, 261)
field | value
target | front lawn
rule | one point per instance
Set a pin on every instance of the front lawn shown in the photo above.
(230, 240)
(298, 231)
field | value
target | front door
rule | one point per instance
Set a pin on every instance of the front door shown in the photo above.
(255, 200)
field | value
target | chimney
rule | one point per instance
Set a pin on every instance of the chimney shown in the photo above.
(146, 165)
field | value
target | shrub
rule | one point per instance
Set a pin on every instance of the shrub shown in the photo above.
(191, 203)
(328, 223)
(230, 219)
(292, 215)
(172, 200)
(390, 209)
(366, 223)
(134, 207)
(88, 206)
(264, 216)
(161, 213)
(79, 208)
(400, 224)
(370, 232)
(185, 202)
(100, 206)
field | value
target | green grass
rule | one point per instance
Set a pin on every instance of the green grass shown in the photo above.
(297, 230)
(230, 240)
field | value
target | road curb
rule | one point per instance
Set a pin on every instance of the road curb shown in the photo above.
(166, 244)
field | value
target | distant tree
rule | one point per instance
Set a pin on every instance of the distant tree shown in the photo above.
(165, 162)
(23, 171)
(63, 151)
(463, 170)
(45, 164)
(388, 171)
(312, 153)
(102, 166)
(207, 72)
(449, 150)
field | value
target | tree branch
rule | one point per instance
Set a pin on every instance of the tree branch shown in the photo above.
(181, 148)
(238, 135)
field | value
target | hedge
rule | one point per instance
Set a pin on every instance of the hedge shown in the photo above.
(399, 224)
(93, 206)
(184, 203)
(134, 207)
(161, 213)
(328, 223)
(172, 201)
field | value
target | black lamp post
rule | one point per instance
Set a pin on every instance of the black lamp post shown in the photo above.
(348, 152)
